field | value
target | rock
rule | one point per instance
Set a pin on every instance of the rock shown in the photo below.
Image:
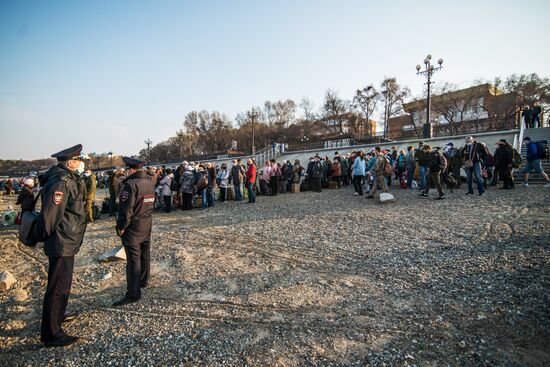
(107, 275)
(117, 253)
(6, 280)
(386, 197)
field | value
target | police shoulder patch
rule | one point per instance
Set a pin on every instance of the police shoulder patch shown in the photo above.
(57, 197)
(124, 195)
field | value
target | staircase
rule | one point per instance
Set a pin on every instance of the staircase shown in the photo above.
(537, 134)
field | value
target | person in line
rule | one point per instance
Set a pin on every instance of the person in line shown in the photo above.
(211, 175)
(236, 178)
(26, 197)
(274, 174)
(91, 182)
(454, 162)
(264, 179)
(436, 164)
(133, 226)
(504, 156)
(61, 225)
(411, 166)
(316, 173)
(187, 188)
(358, 171)
(221, 180)
(474, 154)
(250, 179)
(401, 165)
(166, 183)
(336, 171)
(421, 159)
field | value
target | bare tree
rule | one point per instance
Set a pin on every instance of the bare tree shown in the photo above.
(335, 108)
(366, 99)
(454, 104)
(392, 95)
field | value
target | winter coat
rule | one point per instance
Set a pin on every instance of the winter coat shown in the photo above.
(25, 199)
(409, 159)
(359, 167)
(222, 178)
(186, 183)
(336, 169)
(166, 182)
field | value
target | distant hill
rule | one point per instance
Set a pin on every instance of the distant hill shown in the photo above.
(18, 168)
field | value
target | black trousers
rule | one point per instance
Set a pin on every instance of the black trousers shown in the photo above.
(138, 267)
(167, 203)
(60, 278)
(316, 184)
(223, 194)
(358, 184)
(186, 201)
(274, 186)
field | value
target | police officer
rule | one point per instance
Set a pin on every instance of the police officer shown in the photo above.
(61, 226)
(133, 225)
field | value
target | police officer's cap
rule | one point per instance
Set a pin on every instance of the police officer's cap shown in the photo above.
(69, 153)
(133, 163)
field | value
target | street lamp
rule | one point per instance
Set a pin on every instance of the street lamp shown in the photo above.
(429, 70)
(252, 115)
(304, 140)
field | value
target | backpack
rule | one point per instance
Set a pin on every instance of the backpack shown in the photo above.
(202, 182)
(388, 169)
(516, 159)
(542, 149)
(174, 185)
(401, 161)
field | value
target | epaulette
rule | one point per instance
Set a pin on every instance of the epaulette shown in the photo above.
(63, 178)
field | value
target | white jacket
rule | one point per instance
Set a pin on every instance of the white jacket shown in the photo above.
(166, 182)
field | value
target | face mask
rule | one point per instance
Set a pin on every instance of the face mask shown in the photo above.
(86, 174)
(80, 168)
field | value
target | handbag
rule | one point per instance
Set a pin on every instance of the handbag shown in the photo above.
(469, 163)
(28, 221)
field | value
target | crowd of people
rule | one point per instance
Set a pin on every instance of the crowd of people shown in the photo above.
(200, 185)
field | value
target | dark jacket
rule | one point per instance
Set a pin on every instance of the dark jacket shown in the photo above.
(237, 174)
(504, 156)
(62, 220)
(475, 151)
(25, 199)
(421, 156)
(437, 162)
(317, 170)
(135, 209)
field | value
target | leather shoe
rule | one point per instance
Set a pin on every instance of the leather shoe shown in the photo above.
(124, 301)
(62, 341)
(70, 317)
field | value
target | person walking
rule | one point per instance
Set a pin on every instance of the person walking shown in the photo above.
(534, 157)
(436, 164)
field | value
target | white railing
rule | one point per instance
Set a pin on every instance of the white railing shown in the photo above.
(517, 144)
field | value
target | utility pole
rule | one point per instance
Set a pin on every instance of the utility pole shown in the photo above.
(148, 142)
(253, 114)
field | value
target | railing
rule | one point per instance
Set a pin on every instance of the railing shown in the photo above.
(464, 128)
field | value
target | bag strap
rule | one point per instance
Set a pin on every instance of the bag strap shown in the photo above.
(35, 201)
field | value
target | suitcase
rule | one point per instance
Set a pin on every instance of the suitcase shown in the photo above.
(295, 188)
(333, 185)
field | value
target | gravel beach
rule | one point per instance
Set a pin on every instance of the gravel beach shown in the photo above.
(307, 279)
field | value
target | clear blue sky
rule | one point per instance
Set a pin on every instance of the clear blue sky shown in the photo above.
(109, 74)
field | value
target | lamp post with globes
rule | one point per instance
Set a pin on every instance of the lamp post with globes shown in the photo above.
(304, 140)
(252, 115)
(429, 70)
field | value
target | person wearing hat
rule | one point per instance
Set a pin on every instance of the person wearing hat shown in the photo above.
(60, 225)
(504, 156)
(26, 197)
(133, 226)
(316, 173)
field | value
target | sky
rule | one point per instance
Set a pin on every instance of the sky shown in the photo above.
(111, 74)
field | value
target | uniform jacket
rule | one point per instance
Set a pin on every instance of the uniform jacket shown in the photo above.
(62, 220)
(135, 209)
